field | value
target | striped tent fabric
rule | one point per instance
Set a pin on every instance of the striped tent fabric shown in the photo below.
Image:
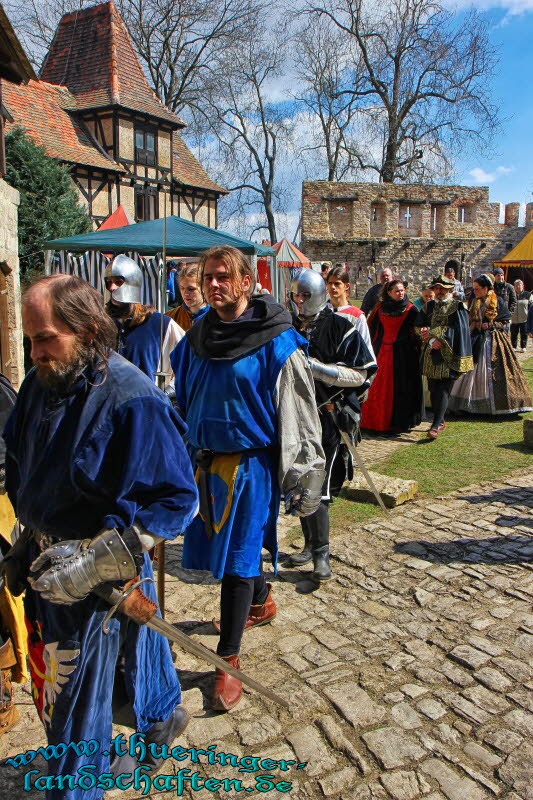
(91, 267)
(151, 266)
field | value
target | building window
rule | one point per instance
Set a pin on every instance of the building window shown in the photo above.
(437, 213)
(464, 214)
(145, 145)
(146, 204)
(405, 216)
(377, 219)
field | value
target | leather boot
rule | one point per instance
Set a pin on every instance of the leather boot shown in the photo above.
(297, 559)
(228, 690)
(260, 614)
(160, 733)
(319, 526)
(165, 732)
(8, 711)
(321, 568)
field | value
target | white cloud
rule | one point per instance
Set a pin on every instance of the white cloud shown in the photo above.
(481, 176)
(287, 224)
(510, 7)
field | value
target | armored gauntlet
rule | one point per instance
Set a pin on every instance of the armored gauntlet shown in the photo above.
(305, 497)
(73, 567)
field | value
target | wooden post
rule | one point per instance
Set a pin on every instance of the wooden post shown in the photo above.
(160, 548)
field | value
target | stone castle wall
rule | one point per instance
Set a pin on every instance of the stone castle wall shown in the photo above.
(412, 228)
(10, 314)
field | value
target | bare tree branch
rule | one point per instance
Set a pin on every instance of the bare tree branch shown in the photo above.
(249, 128)
(326, 62)
(427, 72)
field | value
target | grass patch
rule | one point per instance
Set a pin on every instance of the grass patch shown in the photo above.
(345, 512)
(472, 449)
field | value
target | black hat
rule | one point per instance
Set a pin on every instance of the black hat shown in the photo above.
(497, 271)
(442, 280)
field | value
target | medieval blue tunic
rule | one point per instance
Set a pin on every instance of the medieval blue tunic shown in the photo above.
(141, 344)
(229, 406)
(108, 452)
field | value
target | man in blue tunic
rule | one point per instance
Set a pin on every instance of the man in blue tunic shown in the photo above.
(88, 473)
(246, 392)
(138, 325)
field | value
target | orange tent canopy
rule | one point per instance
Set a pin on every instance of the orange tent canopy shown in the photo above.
(117, 219)
(288, 255)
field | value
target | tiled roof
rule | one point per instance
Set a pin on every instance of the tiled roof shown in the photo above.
(45, 112)
(188, 170)
(14, 63)
(92, 54)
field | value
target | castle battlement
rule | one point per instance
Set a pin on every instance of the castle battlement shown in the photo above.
(414, 228)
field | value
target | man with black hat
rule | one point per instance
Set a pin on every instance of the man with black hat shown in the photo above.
(504, 289)
(443, 327)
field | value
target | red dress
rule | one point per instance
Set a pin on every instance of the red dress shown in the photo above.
(394, 398)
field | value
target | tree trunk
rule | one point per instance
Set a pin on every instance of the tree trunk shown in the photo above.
(388, 170)
(271, 220)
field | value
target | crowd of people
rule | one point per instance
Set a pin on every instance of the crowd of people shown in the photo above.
(261, 402)
(459, 345)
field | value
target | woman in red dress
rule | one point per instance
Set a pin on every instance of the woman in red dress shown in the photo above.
(395, 397)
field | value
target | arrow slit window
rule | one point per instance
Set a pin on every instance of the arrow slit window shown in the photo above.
(465, 213)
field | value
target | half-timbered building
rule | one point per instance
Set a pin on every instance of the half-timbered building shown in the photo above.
(93, 109)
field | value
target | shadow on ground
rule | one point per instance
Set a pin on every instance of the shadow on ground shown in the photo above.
(497, 550)
(520, 447)
(510, 496)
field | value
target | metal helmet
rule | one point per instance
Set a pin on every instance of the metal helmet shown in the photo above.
(311, 283)
(124, 267)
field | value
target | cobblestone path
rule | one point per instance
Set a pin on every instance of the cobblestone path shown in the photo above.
(375, 446)
(409, 673)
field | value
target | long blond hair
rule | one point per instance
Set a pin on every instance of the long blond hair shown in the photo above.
(235, 262)
(190, 271)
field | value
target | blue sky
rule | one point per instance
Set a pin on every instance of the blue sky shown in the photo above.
(509, 171)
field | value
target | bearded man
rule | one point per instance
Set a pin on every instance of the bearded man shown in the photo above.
(246, 393)
(90, 479)
(504, 290)
(443, 326)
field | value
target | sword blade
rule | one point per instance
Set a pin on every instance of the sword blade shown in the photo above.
(362, 466)
(112, 595)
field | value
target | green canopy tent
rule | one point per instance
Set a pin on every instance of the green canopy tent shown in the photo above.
(146, 242)
(183, 238)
